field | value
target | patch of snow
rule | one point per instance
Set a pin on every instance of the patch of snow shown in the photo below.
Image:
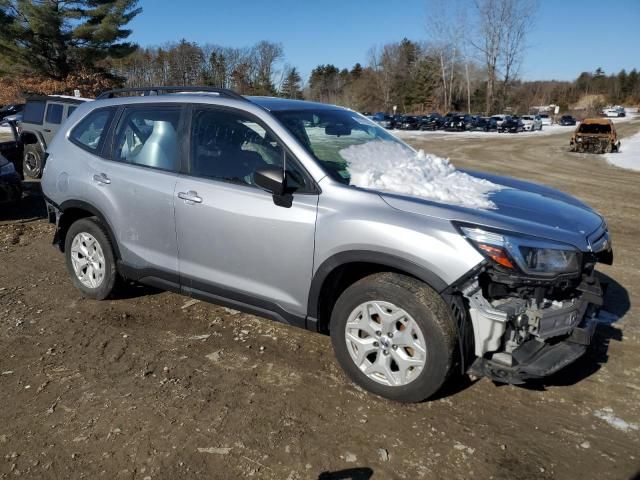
(607, 415)
(629, 154)
(391, 167)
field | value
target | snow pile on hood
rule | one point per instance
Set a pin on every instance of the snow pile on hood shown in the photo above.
(391, 167)
(629, 155)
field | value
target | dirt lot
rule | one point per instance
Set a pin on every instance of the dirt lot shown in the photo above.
(152, 385)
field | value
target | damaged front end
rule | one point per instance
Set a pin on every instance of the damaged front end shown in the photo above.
(533, 304)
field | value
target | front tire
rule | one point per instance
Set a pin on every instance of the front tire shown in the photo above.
(394, 336)
(33, 161)
(90, 258)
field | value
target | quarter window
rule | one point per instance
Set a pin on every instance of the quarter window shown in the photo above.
(148, 136)
(229, 146)
(89, 133)
(54, 113)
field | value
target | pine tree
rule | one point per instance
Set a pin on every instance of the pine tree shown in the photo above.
(54, 38)
(292, 85)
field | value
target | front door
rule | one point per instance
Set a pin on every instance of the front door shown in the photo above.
(233, 240)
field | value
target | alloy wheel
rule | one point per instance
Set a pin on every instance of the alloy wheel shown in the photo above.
(87, 259)
(385, 343)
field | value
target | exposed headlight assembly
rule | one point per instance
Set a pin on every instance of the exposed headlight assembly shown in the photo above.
(531, 256)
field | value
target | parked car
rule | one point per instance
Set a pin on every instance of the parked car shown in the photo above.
(10, 183)
(12, 150)
(499, 119)
(567, 120)
(458, 123)
(512, 124)
(384, 120)
(432, 122)
(256, 195)
(42, 117)
(614, 112)
(595, 135)
(407, 122)
(546, 119)
(10, 168)
(11, 109)
(532, 122)
(484, 124)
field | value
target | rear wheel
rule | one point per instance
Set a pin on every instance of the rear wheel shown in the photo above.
(33, 163)
(394, 336)
(90, 259)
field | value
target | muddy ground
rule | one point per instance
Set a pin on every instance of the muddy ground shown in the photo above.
(150, 385)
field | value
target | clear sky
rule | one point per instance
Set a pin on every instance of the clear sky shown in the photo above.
(570, 36)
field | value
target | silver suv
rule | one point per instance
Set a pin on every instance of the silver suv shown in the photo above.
(248, 202)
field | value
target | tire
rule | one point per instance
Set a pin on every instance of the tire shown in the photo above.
(33, 161)
(427, 324)
(102, 285)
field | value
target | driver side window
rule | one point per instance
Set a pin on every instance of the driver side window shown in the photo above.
(230, 147)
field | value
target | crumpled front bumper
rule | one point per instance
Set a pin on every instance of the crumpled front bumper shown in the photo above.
(560, 334)
(536, 358)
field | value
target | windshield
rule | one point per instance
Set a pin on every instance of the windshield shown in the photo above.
(596, 128)
(325, 133)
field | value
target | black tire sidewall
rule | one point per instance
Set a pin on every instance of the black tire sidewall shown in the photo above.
(37, 152)
(436, 329)
(92, 227)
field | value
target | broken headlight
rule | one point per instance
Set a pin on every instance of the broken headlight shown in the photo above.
(532, 256)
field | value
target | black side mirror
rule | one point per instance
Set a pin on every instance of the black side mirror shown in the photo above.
(270, 179)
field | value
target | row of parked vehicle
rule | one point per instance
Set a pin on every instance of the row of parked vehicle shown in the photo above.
(466, 122)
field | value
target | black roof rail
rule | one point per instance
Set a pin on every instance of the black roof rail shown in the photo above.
(148, 91)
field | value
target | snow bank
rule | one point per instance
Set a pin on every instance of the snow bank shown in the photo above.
(391, 167)
(629, 154)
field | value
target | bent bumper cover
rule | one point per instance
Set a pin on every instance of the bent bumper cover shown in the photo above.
(536, 358)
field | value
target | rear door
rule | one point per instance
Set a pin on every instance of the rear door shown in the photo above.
(233, 240)
(52, 120)
(134, 186)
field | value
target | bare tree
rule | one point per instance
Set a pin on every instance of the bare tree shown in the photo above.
(444, 31)
(502, 26)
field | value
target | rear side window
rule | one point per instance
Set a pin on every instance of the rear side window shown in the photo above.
(54, 113)
(90, 132)
(148, 136)
(70, 110)
(33, 112)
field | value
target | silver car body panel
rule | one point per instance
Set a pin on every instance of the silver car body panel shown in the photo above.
(237, 239)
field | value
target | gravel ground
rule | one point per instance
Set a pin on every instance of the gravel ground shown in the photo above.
(153, 385)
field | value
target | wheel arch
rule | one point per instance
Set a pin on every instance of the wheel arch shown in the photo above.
(339, 271)
(73, 210)
(29, 138)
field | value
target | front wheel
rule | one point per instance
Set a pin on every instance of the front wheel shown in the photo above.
(394, 336)
(90, 259)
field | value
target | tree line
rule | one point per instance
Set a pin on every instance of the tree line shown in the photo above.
(469, 60)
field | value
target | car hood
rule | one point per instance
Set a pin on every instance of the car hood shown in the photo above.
(522, 207)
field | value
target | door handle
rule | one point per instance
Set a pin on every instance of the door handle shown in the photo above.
(190, 196)
(48, 130)
(102, 179)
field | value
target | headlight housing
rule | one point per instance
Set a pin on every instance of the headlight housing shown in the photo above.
(531, 256)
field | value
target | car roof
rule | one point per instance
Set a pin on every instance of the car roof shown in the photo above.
(274, 104)
(597, 121)
(59, 98)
